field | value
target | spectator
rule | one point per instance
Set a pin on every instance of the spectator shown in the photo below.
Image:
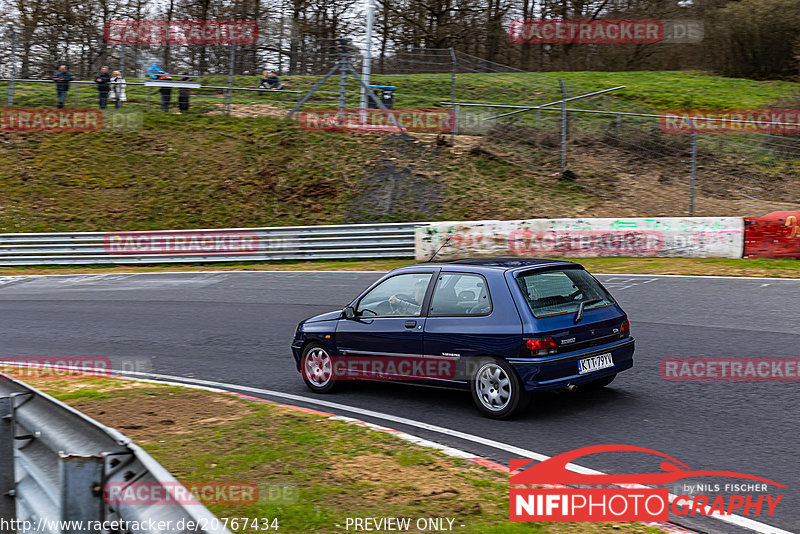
(103, 81)
(62, 79)
(157, 73)
(264, 78)
(270, 81)
(183, 96)
(273, 81)
(166, 98)
(118, 89)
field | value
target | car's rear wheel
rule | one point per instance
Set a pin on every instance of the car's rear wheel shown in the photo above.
(600, 382)
(316, 366)
(497, 389)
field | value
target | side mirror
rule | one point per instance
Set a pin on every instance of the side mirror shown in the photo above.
(349, 313)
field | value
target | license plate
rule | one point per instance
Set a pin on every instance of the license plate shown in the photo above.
(595, 363)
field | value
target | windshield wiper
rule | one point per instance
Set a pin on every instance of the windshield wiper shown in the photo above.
(579, 314)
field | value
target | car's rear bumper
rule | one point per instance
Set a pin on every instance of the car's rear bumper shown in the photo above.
(555, 372)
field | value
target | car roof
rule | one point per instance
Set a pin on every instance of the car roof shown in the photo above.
(499, 263)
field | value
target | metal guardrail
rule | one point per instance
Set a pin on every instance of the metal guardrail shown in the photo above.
(390, 240)
(55, 463)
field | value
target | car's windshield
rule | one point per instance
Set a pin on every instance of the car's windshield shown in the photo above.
(558, 291)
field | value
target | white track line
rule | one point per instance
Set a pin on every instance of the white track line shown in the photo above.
(739, 521)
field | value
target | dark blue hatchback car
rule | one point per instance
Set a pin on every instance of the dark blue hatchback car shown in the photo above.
(501, 327)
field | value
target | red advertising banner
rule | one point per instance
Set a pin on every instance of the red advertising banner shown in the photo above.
(776, 235)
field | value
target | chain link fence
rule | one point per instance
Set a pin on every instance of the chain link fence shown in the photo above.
(580, 133)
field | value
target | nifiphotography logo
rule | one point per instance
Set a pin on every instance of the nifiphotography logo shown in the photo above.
(549, 491)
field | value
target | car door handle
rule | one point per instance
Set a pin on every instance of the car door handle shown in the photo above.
(411, 324)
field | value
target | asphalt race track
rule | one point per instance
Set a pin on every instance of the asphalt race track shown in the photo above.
(236, 328)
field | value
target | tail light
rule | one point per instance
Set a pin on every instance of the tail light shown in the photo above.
(625, 329)
(541, 347)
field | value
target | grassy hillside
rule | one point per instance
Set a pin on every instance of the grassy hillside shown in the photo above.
(211, 171)
(208, 170)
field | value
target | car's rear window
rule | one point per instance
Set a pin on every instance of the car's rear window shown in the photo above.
(558, 291)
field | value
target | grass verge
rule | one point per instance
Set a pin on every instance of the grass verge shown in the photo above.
(334, 470)
(681, 266)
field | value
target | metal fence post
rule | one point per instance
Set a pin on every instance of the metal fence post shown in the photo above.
(122, 60)
(694, 172)
(563, 125)
(81, 489)
(13, 64)
(230, 81)
(453, 96)
(8, 504)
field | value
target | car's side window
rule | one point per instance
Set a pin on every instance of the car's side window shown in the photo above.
(398, 296)
(460, 294)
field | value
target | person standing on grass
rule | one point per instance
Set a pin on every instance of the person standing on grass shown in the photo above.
(166, 98)
(183, 96)
(118, 89)
(62, 79)
(103, 81)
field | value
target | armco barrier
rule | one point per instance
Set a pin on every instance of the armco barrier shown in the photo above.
(697, 237)
(55, 463)
(776, 235)
(394, 240)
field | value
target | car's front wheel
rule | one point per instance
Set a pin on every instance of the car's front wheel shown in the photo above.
(316, 367)
(497, 389)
